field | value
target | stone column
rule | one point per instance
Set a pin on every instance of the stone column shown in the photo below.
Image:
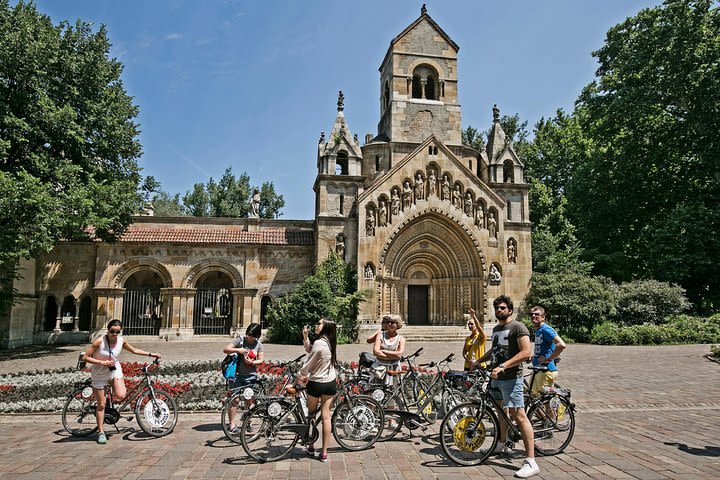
(177, 317)
(58, 318)
(423, 82)
(243, 306)
(76, 317)
(109, 306)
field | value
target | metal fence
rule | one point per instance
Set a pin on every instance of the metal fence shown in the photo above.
(141, 311)
(213, 311)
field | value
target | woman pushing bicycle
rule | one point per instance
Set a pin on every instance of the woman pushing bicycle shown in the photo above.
(103, 354)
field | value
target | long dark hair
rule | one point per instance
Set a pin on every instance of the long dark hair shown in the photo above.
(112, 323)
(329, 331)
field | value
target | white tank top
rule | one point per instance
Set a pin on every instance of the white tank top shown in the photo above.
(104, 352)
(391, 345)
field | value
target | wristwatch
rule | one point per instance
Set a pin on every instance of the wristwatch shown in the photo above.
(502, 365)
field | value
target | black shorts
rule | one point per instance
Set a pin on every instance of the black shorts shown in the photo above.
(318, 389)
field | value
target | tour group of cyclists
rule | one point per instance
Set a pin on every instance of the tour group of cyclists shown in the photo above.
(510, 349)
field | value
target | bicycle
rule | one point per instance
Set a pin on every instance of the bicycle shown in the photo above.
(469, 432)
(275, 424)
(155, 409)
(242, 395)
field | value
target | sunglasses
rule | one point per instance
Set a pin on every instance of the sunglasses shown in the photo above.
(501, 307)
(114, 332)
(389, 322)
(536, 314)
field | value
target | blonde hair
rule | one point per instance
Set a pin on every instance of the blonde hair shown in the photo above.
(395, 317)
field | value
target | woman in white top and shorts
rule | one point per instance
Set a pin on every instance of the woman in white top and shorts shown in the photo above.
(105, 367)
(389, 344)
(319, 372)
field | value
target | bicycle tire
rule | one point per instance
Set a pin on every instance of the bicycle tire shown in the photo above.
(358, 419)
(465, 430)
(237, 400)
(78, 412)
(554, 432)
(452, 397)
(430, 411)
(266, 430)
(157, 415)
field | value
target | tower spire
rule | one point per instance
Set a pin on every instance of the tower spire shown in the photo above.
(341, 101)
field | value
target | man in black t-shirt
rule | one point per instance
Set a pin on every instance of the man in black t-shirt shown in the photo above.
(510, 348)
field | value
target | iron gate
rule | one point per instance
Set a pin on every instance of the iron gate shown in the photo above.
(213, 311)
(141, 311)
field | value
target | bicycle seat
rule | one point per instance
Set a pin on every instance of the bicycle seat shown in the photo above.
(393, 373)
(539, 368)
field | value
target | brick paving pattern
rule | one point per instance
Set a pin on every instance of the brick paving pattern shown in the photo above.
(643, 412)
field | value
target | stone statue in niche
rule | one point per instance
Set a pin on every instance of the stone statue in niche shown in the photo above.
(494, 275)
(370, 223)
(445, 188)
(382, 214)
(492, 225)
(479, 216)
(419, 187)
(394, 202)
(512, 251)
(255, 204)
(407, 195)
(369, 274)
(432, 184)
(340, 245)
(456, 200)
(468, 205)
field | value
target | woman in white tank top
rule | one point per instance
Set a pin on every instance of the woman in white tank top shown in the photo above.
(389, 344)
(102, 355)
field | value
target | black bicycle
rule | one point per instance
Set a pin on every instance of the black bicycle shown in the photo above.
(275, 424)
(242, 397)
(470, 431)
(155, 409)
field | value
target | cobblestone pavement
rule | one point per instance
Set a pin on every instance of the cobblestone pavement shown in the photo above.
(643, 412)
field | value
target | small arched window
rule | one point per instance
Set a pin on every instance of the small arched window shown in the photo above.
(386, 95)
(265, 303)
(416, 89)
(341, 165)
(377, 163)
(508, 171)
(430, 88)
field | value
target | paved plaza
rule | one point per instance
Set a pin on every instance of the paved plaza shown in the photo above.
(642, 412)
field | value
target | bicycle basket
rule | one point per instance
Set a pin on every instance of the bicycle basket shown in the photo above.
(457, 379)
(367, 360)
(81, 363)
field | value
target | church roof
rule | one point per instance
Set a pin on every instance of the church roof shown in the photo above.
(214, 235)
(424, 16)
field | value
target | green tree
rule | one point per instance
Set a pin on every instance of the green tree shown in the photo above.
(472, 138)
(167, 205)
(646, 202)
(230, 197)
(68, 137)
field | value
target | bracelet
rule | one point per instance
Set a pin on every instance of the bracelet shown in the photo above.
(149, 354)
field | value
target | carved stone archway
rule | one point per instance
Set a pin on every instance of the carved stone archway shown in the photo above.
(432, 248)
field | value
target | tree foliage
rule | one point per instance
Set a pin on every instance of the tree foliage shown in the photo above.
(68, 137)
(646, 201)
(331, 291)
(230, 197)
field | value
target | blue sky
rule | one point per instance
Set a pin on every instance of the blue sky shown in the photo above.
(250, 84)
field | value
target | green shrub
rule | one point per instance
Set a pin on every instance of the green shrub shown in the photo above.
(331, 291)
(649, 301)
(678, 329)
(574, 302)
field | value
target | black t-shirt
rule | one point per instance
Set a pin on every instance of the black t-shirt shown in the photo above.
(505, 346)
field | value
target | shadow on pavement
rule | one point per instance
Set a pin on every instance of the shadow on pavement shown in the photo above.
(221, 442)
(36, 351)
(208, 427)
(706, 451)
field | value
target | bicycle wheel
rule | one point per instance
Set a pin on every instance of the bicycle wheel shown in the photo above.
(235, 402)
(358, 422)
(553, 422)
(267, 432)
(156, 412)
(78, 414)
(469, 433)
(429, 412)
(451, 397)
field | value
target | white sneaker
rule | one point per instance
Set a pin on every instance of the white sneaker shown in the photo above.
(527, 470)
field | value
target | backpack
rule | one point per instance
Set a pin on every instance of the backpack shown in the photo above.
(228, 367)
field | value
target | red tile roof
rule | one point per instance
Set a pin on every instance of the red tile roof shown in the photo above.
(276, 236)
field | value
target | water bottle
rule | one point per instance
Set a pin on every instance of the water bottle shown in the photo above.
(303, 404)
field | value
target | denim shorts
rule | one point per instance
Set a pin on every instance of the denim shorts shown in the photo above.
(509, 391)
(243, 380)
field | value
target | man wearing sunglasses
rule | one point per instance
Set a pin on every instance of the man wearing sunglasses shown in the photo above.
(548, 347)
(510, 348)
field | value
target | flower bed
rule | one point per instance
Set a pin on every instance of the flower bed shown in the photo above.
(196, 385)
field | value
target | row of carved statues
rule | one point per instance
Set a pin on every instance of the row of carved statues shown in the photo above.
(401, 201)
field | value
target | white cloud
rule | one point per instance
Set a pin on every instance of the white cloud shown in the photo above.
(173, 36)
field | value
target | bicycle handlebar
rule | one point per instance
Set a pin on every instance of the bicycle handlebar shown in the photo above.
(447, 359)
(416, 354)
(290, 362)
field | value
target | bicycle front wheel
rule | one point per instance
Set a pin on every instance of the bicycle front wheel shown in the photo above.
(451, 397)
(553, 422)
(358, 422)
(469, 433)
(268, 431)
(78, 414)
(156, 412)
(231, 416)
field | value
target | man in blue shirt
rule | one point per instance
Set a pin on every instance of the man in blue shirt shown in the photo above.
(548, 347)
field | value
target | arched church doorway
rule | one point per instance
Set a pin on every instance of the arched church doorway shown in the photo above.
(142, 304)
(50, 314)
(67, 314)
(213, 304)
(433, 272)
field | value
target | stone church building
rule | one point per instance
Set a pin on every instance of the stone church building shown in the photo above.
(432, 226)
